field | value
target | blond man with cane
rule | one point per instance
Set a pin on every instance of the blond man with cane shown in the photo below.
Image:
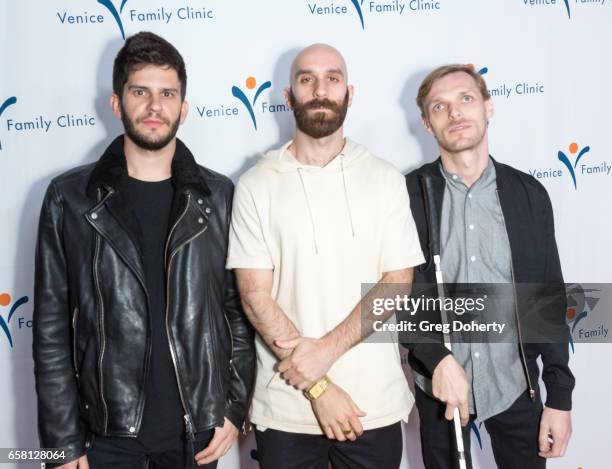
(495, 227)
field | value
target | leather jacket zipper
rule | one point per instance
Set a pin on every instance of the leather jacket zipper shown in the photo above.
(231, 362)
(75, 318)
(229, 329)
(516, 314)
(187, 416)
(100, 321)
(102, 332)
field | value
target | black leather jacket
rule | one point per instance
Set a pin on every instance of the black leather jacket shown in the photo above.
(91, 334)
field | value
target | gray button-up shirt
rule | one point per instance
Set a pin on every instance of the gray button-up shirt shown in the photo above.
(475, 249)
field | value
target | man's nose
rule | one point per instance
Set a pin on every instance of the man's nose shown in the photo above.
(320, 90)
(454, 112)
(154, 103)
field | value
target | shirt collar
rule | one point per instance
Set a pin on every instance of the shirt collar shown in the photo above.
(487, 178)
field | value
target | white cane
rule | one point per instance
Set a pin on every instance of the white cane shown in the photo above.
(434, 246)
(449, 346)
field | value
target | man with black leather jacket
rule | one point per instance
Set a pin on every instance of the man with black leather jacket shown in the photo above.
(141, 349)
(494, 226)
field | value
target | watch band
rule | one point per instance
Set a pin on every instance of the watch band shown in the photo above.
(317, 389)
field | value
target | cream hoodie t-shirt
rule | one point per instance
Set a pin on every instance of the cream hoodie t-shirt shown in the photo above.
(324, 232)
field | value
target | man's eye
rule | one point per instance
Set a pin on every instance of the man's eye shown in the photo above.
(467, 99)
(438, 107)
(167, 94)
(304, 79)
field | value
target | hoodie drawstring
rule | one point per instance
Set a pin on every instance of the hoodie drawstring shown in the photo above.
(308, 204)
(312, 224)
(346, 197)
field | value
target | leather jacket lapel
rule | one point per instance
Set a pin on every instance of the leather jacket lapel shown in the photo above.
(190, 221)
(105, 219)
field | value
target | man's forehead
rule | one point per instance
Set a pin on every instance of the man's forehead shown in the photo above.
(318, 57)
(153, 71)
(453, 82)
(154, 76)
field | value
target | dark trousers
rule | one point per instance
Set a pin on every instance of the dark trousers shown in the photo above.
(129, 453)
(514, 435)
(380, 448)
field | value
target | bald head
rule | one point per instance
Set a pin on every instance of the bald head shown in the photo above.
(318, 57)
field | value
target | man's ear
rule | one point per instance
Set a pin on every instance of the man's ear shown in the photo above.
(351, 92)
(184, 111)
(287, 93)
(115, 105)
(489, 109)
(426, 124)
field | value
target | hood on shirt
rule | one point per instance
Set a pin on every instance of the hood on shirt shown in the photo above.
(282, 161)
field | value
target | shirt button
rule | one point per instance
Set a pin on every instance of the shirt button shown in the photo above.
(200, 220)
(471, 227)
(132, 429)
(476, 354)
(454, 177)
(470, 196)
(208, 210)
(94, 216)
(473, 258)
(200, 201)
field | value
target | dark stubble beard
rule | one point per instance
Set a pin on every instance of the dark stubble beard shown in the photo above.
(319, 124)
(148, 143)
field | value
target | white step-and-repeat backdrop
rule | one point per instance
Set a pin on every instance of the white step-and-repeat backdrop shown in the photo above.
(547, 64)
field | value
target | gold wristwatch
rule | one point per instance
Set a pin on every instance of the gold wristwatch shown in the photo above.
(317, 389)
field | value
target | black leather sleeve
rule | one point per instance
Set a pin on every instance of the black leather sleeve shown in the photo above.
(58, 402)
(243, 349)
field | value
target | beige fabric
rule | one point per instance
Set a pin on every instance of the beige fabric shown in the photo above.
(324, 232)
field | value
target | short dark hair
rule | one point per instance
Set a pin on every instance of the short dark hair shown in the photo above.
(441, 72)
(142, 49)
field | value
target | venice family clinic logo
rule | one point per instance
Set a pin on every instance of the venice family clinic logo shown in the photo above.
(565, 4)
(115, 13)
(476, 430)
(576, 152)
(582, 300)
(567, 7)
(5, 300)
(7, 103)
(359, 9)
(482, 71)
(250, 84)
(358, 4)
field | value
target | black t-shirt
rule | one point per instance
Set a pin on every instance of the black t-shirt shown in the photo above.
(162, 421)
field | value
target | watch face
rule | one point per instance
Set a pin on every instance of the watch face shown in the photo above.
(316, 390)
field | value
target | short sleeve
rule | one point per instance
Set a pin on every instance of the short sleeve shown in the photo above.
(247, 246)
(401, 248)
